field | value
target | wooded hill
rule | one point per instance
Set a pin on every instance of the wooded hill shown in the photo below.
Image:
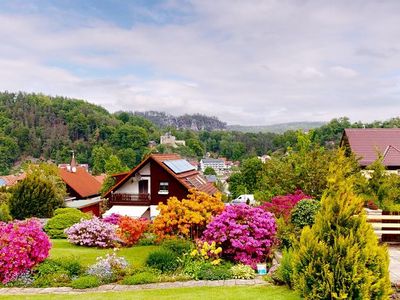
(35, 126)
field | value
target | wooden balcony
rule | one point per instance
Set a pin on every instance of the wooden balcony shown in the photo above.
(130, 199)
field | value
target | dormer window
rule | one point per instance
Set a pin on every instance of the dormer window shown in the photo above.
(163, 188)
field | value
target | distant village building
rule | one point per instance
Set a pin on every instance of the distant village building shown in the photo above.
(169, 140)
(264, 158)
(216, 163)
(10, 180)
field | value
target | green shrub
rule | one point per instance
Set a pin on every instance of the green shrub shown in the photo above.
(284, 273)
(65, 210)
(49, 266)
(242, 272)
(179, 246)
(192, 268)
(303, 214)
(162, 259)
(174, 277)
(141, 278)
(339, 256)
(210, 272)
(147, 239)
(64, 218)
(67, 265)
(58, 278)
(71, 265)
(85, 282)
(5, 213)
(285, 233)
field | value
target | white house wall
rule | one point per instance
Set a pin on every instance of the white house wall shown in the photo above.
(131, 186)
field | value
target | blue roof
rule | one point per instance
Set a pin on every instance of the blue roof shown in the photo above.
(2, 182)
(179, 165)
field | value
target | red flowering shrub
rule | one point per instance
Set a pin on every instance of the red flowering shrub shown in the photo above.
(130, 230)
(23, 244)
(246, 234)
(281, 206)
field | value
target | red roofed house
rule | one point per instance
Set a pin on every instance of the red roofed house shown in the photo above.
(366, 143)
(158, 177)
(83, 189)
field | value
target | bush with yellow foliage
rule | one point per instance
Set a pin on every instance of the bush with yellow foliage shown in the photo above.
(187, 217)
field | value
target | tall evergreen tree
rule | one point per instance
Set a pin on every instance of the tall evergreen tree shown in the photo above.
(339, 256)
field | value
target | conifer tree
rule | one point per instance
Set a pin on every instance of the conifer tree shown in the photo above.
(339, 256)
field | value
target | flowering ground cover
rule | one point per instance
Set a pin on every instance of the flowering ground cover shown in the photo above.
(215, 293)
(87, 255)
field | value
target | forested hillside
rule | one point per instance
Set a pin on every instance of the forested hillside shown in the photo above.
(35, 126)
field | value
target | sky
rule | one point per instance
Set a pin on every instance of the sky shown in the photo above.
(246, 62)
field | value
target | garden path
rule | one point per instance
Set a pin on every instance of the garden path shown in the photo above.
(116, 287)
(394, 267)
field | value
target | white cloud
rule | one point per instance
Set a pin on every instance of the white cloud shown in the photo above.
(344, 72)
(249, 62)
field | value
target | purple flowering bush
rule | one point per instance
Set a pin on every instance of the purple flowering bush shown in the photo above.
(92, 233)
(245, 233)
(23, 245)
(112, 219)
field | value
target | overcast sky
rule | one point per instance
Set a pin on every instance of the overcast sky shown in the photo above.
(246, 62)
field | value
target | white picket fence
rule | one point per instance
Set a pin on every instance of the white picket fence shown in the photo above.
(375, 218)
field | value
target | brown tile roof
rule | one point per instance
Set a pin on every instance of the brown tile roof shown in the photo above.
(83, 183)
(365, 143)
(188, 179)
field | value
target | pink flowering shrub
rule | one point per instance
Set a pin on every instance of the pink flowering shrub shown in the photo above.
(112, 219)
(92, 233)
(245, 233)
(282, 206)
(23, 245)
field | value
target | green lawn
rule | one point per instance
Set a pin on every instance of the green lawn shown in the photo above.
(214, 293)
(61, 248)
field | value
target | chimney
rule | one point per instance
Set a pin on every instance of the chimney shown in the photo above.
(73, 160)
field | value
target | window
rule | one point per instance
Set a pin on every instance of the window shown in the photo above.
(163, 188)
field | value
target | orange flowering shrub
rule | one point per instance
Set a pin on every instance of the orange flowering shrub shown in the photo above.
(130, 230)
(188, 217)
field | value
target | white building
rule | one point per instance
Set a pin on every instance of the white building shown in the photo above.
(169, 140)
(215, 163)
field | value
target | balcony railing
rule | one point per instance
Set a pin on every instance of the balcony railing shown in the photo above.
(130, 199)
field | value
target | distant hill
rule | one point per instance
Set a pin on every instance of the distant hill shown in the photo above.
(194, 122)
(277, 128)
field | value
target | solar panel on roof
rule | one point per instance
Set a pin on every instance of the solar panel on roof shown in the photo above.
(179, 165)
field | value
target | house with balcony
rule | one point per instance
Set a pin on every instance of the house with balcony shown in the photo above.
(158, 177)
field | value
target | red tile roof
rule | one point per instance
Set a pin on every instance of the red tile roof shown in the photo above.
(366, 143)
(11, 180)
(188, 179)
(100, 178)
(83, 183)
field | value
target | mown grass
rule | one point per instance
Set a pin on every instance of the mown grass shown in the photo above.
(62, 248)
(214, 293)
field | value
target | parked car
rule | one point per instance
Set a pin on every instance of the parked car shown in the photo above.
(246, 199)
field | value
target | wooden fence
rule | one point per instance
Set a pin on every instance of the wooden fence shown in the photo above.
(386, 225)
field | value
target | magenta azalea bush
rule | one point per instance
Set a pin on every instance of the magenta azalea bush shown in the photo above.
(112, 219)
(23, 245)
(92, 233)
(281, 206)
(246, 234)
